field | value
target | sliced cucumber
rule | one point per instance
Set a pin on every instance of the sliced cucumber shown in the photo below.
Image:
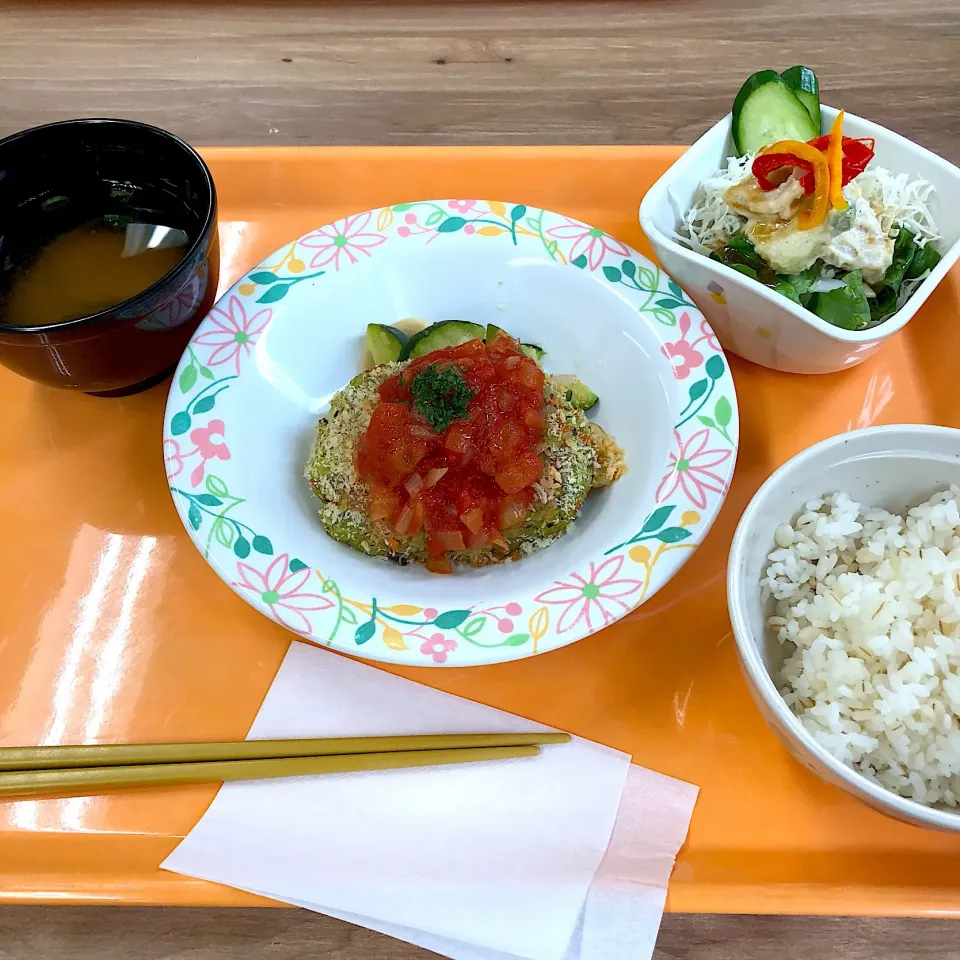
(766, 110)
(533, 351)
(446, 333)
(492, 331)
(577, 392)
(805, 86)
(384, 343)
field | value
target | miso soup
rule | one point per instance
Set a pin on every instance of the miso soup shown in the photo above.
(89, 268)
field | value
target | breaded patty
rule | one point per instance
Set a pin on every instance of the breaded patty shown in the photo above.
(577, 455)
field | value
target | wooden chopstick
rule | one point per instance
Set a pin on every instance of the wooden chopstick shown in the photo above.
(92, 780)
(121, 754)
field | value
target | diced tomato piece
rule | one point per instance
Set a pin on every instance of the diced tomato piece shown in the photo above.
(410, 519)
(458, 441)
(383, 503)
(456, 438)
(472, 350)
(534, 418)
(503, 345)
(434, 548)
(389, 452)
(479, 540)
(439, 564)
(393, 391)
(473, 519)
(448, 540)
(435, 475)
(506, 400)
(528, 375)
(504, 443)
(525, 472)
(513, 512)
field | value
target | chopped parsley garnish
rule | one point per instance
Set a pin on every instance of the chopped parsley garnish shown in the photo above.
(441, 395)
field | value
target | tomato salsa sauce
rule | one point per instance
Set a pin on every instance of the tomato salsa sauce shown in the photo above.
(459, 464)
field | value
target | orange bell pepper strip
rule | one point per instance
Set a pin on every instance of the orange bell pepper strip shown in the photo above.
(835, 164)
(818, 210)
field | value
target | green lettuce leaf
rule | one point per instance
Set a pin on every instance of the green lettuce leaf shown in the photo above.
(904, 249)
(845, 307)
(788, 290)
(796, 286)
(884, 305)
(739, 253)
(924, 259)
(910, 261)
(744, 269)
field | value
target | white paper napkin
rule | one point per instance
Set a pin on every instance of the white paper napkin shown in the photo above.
(488, 861)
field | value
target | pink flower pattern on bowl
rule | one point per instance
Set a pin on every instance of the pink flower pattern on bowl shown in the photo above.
(691, 469)
(683, 354)
(172, 457)
(280, 590)
(208, 446)
(596, 598)
(437, 647)
(590, 242)
(205, 443)
(234, 334)
(348, 239)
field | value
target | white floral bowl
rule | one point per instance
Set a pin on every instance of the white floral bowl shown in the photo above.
(749, 318)
(263, 366)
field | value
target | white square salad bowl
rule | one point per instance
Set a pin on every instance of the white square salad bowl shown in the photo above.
(752, 320)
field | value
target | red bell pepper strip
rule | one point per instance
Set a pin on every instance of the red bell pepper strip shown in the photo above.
(767, 163)
(856, 155)
(801, 152)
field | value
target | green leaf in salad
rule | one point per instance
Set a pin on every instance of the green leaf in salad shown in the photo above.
(743, 245)
(803, 281)
(883, 305)
(796, 286)
(846, 306)
(745, 270)
(904, 249)
(739, 253)
(924, 259)
(788, 290)
(910, 262)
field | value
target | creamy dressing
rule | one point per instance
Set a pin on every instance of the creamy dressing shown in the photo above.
(850, 239)
(863, 245)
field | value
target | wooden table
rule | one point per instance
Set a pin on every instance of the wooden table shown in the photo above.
(648, 71)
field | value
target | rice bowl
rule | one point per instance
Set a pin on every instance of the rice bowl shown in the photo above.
(868, 613)
(893, 468)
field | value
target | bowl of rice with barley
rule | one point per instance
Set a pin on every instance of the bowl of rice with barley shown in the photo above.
(843, 586)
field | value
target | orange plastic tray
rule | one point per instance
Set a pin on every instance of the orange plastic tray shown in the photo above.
(113, 628)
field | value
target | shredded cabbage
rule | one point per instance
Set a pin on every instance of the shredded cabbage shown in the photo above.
(908, 286)
(827, 283)
(710, 223)
(899, 201)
